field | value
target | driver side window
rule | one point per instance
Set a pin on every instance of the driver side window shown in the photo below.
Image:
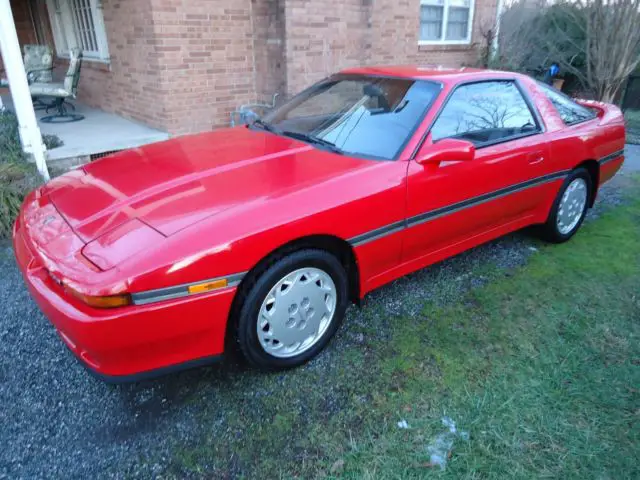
(485, 113)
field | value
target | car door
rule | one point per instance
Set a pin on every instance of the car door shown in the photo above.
(455, 205)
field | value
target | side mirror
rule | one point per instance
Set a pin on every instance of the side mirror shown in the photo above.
(447, 150)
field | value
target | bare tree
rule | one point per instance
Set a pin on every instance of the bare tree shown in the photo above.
(613, 44)
(488, 34)
(597, 41)
(607, 42)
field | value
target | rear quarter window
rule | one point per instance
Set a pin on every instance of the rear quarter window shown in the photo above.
(570, 111)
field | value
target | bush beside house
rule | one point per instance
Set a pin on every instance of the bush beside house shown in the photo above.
(17, 176)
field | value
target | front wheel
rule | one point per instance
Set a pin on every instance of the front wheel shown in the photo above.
(569, 208)
(292, 310)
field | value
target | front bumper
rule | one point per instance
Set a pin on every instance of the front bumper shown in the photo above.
(129, 343)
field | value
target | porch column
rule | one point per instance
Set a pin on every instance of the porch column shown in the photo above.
(30, 135)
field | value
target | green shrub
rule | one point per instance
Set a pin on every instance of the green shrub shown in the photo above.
(17, 176)
(10, 148)
(51, 141)
(16, 180)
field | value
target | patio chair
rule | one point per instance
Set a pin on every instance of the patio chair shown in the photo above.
(38, 64)
(61, 92)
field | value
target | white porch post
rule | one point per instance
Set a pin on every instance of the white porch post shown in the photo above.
(30, 135)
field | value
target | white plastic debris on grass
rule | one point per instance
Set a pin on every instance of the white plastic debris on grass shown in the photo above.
(441, 445)
(403, 424)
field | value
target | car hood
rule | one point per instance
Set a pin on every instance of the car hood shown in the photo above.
(171, 185)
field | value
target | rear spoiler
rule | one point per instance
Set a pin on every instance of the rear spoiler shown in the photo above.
(606, 112)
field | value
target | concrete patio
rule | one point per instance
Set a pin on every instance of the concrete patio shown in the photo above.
(98, 133)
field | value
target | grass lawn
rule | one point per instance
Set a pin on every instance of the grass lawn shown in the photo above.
(540, 366)
(632, 118)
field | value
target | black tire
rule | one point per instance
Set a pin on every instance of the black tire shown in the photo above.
(254, 294)
(550, 230)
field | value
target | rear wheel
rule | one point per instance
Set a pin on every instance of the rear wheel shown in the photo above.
(569, 208)
(292, 310)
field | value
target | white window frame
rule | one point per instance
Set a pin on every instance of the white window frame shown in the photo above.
(65, 34)
(445, 21)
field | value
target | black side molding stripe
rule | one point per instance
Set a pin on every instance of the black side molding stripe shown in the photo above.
(177, 291)
(453, 208)
(378, 233)
(471, 202)
(611, 157)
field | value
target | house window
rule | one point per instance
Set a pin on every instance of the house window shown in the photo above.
(445, 21)
(79, 23)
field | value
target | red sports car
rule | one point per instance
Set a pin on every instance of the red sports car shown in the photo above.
(156, 258)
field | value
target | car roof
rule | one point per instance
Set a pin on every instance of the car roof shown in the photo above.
(430, 72)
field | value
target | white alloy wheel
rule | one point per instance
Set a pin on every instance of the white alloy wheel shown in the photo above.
(296, 312)
(572, 206)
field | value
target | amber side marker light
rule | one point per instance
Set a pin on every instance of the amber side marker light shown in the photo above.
(208, 286)
(110, 301)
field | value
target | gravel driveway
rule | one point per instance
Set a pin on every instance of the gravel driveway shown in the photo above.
(632, 161)
(56, 421)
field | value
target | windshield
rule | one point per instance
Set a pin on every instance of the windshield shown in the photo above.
(355, 114)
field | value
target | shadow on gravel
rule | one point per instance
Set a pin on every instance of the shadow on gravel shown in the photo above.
(148, 401)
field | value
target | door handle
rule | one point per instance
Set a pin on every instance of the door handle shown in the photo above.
(536, 157)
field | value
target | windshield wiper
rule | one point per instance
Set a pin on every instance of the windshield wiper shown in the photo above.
(265, 126)
(305, 137)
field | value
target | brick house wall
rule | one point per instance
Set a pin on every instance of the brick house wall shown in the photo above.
(396, 25)
(205, 50)
(130, 83)
(22, 20)
(269, 48)
(324, 36)
(177, 65)
(184, 65)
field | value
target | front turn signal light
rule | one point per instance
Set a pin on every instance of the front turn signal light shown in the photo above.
(109, 301)
(208, 286)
